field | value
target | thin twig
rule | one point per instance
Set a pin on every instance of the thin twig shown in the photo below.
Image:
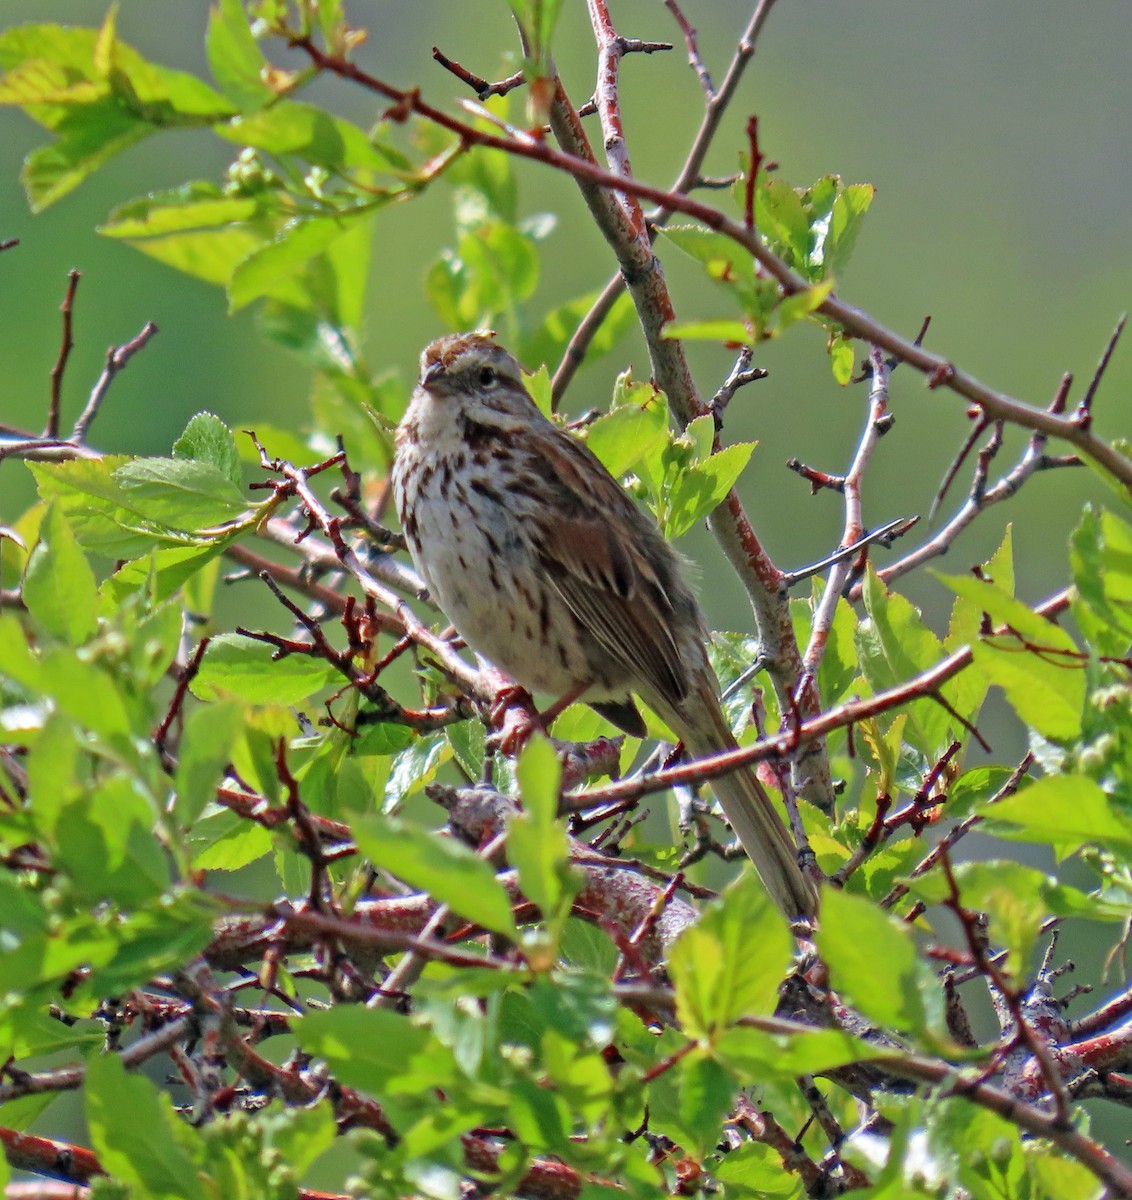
(65, 348)
(116, 358)
(691, 41)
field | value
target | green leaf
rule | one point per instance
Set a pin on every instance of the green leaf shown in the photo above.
(447, 870)
(723, 258)
(182, 493)
(728, 331)
(755, 1055)
(413, 767)
(1040, 670)
(226, 842)
(536, 840)
(700, 489)
(90, 138)
(845, 222)
(634, 429)
(548, 343)
(105, 843)
(59, 587)
(97, 95)
(781, 216)
(707, 1093)
(88, 694)
(716, 977)
(307, 131)
(797, 305)
(895, 646)
(374, 1049)
(382, 738)
(1018, 900)
(244, 668)
(234, 57)
(1067, 811)
(270, 269)
(132, 1132)
(205, 749)
(207, 439)
(872, 961)
(841, 358)
(199, 205)
(1101, 557)
(165, 571)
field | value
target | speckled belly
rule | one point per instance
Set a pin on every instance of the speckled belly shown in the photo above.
(484, 576)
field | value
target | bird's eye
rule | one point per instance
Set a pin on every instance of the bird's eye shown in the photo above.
(487, 377)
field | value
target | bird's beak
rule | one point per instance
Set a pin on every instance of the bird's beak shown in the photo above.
(432, 374)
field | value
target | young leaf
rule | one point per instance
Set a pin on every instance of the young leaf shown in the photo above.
(207, 439)
(717, 976)
(872, 961)
(59, 587)
(1037, 664)
(1068, 811)
(131, 1129)
(234, 57)
(536, 841)
(242, 667)
(449, 871)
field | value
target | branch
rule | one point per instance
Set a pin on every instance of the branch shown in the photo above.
(939, 370)
(780, 746)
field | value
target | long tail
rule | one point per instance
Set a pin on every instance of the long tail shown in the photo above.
(749, 809)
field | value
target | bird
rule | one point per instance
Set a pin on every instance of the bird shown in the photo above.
(549, 570)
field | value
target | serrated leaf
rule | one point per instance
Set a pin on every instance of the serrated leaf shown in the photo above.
(698, 490)
(59, 587)
(242, 667)
(632, 431)
(447, 870)
(180, 493)
(207, 439)
(855, 936)
(131, 1129)
(205, 749)
(1068, 811)
(716, 977)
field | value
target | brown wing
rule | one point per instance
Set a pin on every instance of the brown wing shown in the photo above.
(611, 565)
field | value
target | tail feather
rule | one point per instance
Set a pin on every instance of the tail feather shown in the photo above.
(749, 809)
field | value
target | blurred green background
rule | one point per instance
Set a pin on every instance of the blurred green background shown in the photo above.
(997, 135)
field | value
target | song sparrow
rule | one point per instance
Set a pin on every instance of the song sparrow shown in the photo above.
(548, 569)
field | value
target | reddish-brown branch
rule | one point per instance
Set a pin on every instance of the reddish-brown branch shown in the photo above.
(841, 716)
(482, 88)
(65, 348)
(938, 370)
